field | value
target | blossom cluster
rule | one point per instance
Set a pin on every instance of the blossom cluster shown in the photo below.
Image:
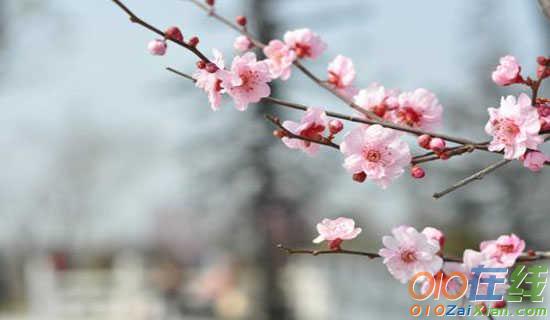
(376, 151)
(407, 251)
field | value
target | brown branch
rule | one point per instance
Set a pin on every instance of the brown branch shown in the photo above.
(135, 19)
(476, 176)
(529, 256)
(322, 140)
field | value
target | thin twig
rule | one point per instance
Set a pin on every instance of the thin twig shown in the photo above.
(476, 176)
(322, 140)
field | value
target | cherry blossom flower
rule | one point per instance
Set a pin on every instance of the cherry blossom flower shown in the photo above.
(157, 47)
(534, 160)
(336, 230)
(377, 99)
(211, 82)
(436, 235)
(280, 58)
(408, 252)
(247, 82)
(312, 125)
(242, 44)
(377, 151)
(544, 116)
(505, 250)
(514, 126)
(418, 109)
(305, 43)
(341, 74)
(507, 71)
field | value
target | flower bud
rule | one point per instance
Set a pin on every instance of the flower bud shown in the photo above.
(157, 47)
(443, 155)
(241, 21)
(417, 172)
(543, 71)
(380, 110)
(211, 67)
(201, 64)
(279, 133)
(193, 42)
(359, 177)
(424, 141)
(335, 126)
(210, 2)
(437, 144)
(499, 304)
(542, 60)
(173, 33)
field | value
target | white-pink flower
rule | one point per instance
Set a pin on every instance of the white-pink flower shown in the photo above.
(377, 99)
(247, 82)
(157, 47)
(408, 252)
(312, 125)
(306, 43)
(377, 151)
(544, 115)
(419, 109)
(211, 82)
(534, 160)
(280, 58)
(514, 126)
(507, 71)
(242, 44)
(505, 250)
(436, 235)
(338, 229)
(341, 74)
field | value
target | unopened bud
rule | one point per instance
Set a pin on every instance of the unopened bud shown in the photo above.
(499, 304)
(417, 172)
(201, 64)
(359, 177)
(241, 21)
(279, 133)
(335, 126)
(543, 61)
(424, 141)
(210, 2)
(211, 67)
(437, 144)
(173, 33)
(157, 47)
(193, 42)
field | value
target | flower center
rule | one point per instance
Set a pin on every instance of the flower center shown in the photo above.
(249, 78)
(302, 50)
(335, 80)
(372, 155)
(506, 129)
(409, 116)
(507, 248)
(408, 256)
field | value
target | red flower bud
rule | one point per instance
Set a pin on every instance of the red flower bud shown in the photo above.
(335, 126)
(211, 67)
(499, 304)
(279, 133)
(380, 110)
(542, 60)
(359, 177)
(424, 141)
(201, 64)
(241, 21)
(173, 33)
(437, 144)
(417, 172)
(210, 2)
(193, 42)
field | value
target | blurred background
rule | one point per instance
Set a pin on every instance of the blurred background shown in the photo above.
(123, 196)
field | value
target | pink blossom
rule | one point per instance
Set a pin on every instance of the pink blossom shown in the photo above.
(507, 71)
(157, 47)
(305, 43)
(280, 58)
(514, 126)
(437, 144)
(377, 151)
(211, 82)
(534, 160)
(505, 250)
(338, 229)
(544, 116)
(377, 99)
(408, 252)
(418, 109)
(242, 44)
(436, 235)
(341, 74)
(247, 82)
(312, 125)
